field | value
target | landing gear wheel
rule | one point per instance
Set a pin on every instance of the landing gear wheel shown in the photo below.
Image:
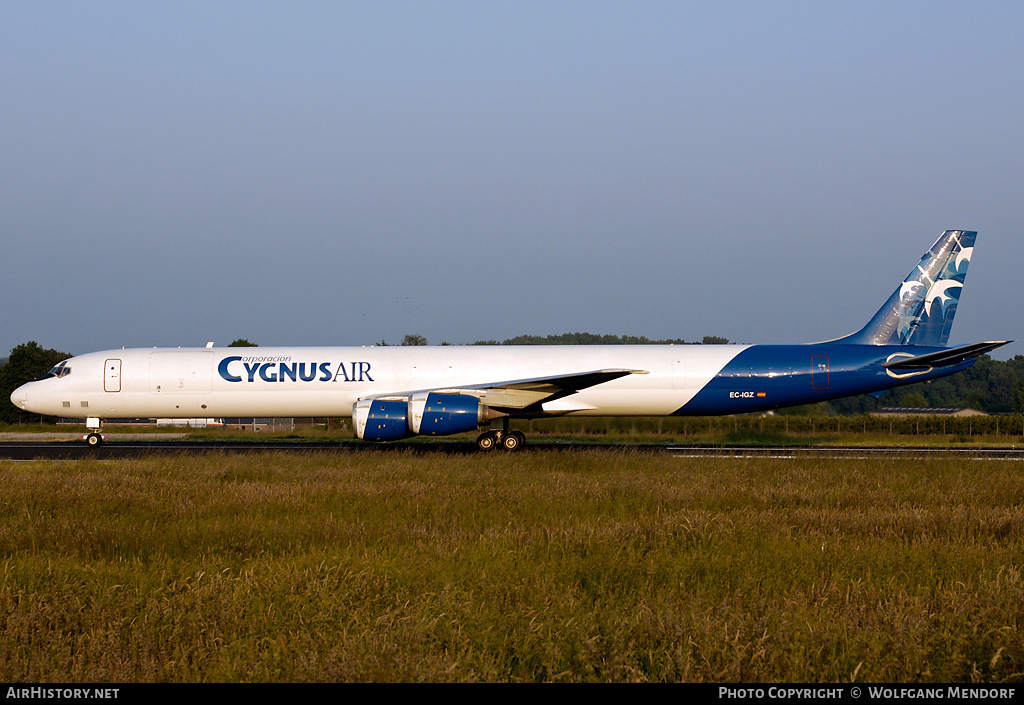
(513, 440)
(486, 441)
(94, 440)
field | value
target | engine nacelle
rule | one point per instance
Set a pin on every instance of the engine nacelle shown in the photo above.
(381, 420)
(434, 414)
(425, 413)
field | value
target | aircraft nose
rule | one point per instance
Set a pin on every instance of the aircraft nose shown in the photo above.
(19, 397)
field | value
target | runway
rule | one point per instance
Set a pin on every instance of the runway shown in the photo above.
(26, 447)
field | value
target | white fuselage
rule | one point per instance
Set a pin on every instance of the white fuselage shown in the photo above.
(327, 381)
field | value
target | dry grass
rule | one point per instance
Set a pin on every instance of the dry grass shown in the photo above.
(539, 566)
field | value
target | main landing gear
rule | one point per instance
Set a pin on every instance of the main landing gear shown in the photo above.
(500, 436)
(509, 440)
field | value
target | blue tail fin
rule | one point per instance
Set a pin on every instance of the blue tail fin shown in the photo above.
(921, 310)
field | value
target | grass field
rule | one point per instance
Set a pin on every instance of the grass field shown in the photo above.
(538, 566)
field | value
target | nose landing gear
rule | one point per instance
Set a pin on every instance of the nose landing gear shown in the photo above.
(94, 439)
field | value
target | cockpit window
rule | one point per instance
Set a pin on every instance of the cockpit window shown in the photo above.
(60, 370)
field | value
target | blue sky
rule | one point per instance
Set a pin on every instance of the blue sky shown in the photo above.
(322, 173)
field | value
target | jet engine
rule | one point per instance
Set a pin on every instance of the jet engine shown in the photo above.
(423, 413)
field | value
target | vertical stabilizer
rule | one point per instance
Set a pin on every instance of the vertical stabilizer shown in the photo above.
(921, 310)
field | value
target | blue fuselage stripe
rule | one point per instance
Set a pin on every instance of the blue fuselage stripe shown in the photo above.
(765, 377)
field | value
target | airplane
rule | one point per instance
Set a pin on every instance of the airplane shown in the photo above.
(393, 393)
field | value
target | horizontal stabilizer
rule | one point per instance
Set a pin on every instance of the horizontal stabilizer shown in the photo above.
(944, 358)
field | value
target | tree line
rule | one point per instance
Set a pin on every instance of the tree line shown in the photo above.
(595, 339)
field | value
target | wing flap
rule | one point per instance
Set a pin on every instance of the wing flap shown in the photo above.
(521, 393)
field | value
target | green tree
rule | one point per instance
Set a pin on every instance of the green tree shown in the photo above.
(414, 339)
(914, 399)
(27, 362)
(242, 343)
(1018, 396)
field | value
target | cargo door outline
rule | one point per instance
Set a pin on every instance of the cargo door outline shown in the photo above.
(112, 375)
(819, 371)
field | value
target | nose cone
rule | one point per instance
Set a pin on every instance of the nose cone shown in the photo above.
(20, 397)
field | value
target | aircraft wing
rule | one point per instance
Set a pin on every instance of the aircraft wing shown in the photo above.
(944, 358)
(521, 393)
